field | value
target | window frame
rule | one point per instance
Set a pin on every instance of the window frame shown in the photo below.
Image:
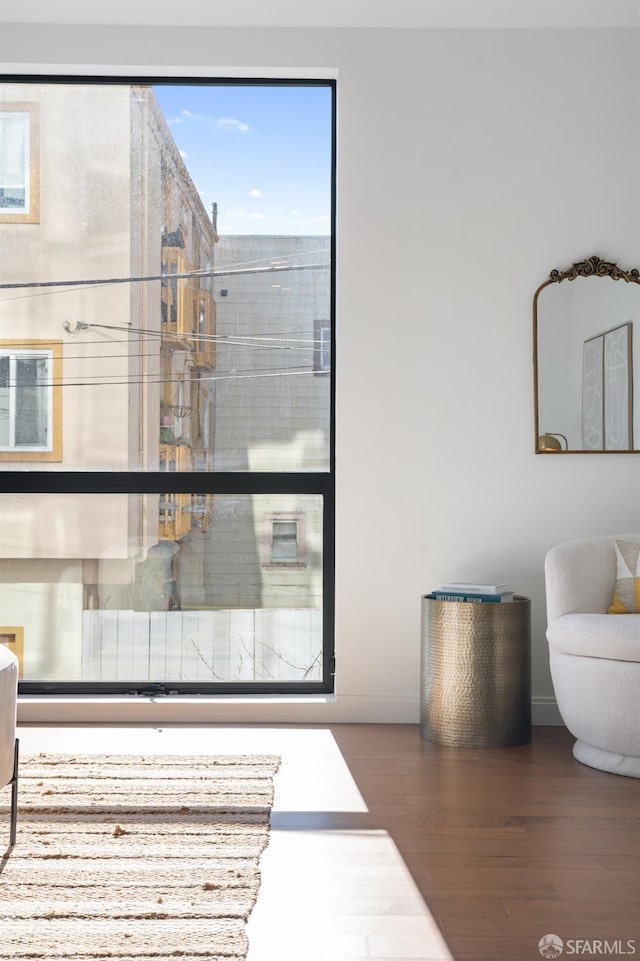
(32, 173)
(276, 517)
(207, 483)
(52, 349)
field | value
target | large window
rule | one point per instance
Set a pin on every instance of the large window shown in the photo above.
(166, 444)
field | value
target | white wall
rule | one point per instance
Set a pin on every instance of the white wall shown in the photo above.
(471, 162)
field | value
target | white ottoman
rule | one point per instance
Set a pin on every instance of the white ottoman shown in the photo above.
(8, 740)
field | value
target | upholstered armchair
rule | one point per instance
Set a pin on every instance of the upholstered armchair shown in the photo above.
(595, 655)
(8, 740)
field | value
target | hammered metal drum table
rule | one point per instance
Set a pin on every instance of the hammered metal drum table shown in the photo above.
(476, 672)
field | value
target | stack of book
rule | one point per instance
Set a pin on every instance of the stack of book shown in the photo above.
(480, 593)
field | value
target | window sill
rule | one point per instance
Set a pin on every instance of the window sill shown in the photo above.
(115, 711)
(285, 567)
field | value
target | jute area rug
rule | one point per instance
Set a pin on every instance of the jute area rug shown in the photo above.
(134, 858)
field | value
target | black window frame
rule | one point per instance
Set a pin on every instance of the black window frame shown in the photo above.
(320, 483)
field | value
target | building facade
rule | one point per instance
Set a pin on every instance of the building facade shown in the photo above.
(105, 372)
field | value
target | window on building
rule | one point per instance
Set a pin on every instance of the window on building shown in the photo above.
(30, 399)
(285, 548)
(19, 163)
(284, 540)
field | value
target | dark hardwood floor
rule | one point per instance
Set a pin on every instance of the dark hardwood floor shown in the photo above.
(506, 844)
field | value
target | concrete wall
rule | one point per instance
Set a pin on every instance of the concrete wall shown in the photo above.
(271, 422)
(470, 163)
(229, 565)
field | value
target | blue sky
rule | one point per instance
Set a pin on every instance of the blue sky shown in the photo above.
(261, 152)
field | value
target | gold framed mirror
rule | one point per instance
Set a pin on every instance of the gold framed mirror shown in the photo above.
(586, 357)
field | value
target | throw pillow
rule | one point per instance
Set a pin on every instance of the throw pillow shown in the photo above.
(626, 596)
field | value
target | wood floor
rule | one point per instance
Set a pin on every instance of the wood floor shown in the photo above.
(387, 847)
(506, 845)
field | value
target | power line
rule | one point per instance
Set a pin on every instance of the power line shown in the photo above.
(232, 269)
(242, 340)
(229, 375)
(190, 275)
(272, 259)
(156, 355)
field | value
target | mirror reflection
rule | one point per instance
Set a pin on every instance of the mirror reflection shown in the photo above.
(586, 359)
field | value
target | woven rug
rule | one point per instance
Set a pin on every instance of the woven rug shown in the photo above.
(134, 858)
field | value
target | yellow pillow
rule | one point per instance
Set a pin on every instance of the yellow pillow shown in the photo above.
(626, 596)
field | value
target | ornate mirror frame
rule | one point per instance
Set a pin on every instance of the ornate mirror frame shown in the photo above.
(552, 443)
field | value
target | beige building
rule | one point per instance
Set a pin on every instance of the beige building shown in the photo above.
(95, 377)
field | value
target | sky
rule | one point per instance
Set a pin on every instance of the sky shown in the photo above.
(262, 152)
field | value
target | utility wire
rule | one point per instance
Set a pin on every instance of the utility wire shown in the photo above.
(247, 375)
(157, 354)
(107, 281)
(241, 340)
(233, 269)
(272, 260)
(220, 340)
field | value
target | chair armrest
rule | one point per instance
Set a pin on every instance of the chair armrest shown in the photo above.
(580, 575)
(8, 694)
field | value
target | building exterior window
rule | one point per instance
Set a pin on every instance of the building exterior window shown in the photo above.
(30, 401)
(284, 544)
(19, 180)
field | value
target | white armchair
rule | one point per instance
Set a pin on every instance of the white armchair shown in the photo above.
(8, 740)
(594, 656)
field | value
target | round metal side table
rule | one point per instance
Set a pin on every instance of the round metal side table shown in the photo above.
(476, 672)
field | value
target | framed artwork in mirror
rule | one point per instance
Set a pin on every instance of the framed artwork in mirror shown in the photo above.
(607, 387)
(618, 388)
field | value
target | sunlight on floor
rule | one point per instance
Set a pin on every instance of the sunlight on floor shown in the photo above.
(339, 896)
(313, 775)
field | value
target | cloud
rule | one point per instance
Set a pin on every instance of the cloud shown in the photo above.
(184, 154)
(230, 123)
(256, 194)
(222, 123)
(294, 213)
(258, 216)
(173, 120)
(324, 219)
